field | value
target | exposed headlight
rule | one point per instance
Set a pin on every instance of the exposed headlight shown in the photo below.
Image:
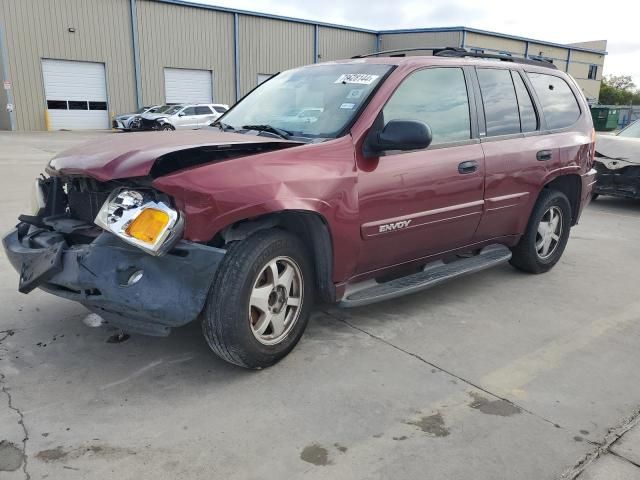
(137, 218)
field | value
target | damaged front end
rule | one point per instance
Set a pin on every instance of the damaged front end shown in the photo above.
(116, 248)
(617, 177)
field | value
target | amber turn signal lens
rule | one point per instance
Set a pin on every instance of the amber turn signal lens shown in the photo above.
(148, 226)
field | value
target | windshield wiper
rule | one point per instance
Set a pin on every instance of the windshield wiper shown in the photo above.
(222, 126)
(270, 129)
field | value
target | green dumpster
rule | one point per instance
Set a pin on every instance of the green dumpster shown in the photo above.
(605, 119)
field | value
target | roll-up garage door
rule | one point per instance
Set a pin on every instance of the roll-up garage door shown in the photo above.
(76, 94)
(182, 85)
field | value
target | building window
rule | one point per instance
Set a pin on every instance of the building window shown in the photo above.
(593, 72)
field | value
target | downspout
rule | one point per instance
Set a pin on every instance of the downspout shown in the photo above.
(236, 53)
(568, 60)
(4, 55)
(316, 37)
(136, 51)
(463, 40)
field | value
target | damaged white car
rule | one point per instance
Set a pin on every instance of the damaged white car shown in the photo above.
(618, 163)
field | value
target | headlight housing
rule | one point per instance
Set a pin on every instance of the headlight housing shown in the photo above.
(140, 219)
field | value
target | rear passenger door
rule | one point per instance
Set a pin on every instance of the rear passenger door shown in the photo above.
(205, 115)
(522, 142)
(511, 142)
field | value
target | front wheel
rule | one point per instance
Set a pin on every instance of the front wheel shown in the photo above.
(547, 234)
(166, 127)
(260, 300)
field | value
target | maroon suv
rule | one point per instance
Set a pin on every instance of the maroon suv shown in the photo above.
(351, 182)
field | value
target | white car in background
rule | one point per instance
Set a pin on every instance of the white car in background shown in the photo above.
(190, 117)
(128, 121)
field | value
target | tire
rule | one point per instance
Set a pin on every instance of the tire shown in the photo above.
(529, 254)
(594, 196)
(231, 323)
(166, 128)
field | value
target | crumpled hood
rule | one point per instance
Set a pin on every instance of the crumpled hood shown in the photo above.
(617, 151)
(119, 156)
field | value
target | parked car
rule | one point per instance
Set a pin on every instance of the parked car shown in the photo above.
(128, 121)
(417, 171)
(618, 163)
(147, 121)
(308, 115)
(189, 117)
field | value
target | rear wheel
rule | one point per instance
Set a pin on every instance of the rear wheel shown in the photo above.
(547, 234)
(260, 300)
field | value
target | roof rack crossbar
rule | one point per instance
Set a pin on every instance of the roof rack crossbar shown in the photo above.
(458, 52)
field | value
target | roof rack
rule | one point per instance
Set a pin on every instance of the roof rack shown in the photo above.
(458, 52)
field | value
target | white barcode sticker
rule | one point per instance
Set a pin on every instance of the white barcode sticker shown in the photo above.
(357, 78)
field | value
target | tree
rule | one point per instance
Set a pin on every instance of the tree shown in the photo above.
(619, 90)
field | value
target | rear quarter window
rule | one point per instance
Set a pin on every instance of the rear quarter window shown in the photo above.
(559, 104)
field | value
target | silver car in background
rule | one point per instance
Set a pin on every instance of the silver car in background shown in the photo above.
(190, 117)
(128, 121)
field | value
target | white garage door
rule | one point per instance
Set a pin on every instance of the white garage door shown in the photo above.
(182, 85)
(76, 94)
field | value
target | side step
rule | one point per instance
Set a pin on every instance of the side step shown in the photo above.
(434, 274)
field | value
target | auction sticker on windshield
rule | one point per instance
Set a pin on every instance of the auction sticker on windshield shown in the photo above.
(357, 78)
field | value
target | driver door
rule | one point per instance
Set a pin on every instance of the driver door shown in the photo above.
(187, 119)
(422, 202)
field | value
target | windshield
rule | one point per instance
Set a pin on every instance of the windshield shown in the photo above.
(172, 110)
(313, 101)
(632, 130)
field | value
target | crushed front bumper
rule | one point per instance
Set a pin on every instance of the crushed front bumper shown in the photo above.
(622, 182)
(171, 291)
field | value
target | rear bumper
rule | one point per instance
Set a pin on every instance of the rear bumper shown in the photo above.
(171, 292)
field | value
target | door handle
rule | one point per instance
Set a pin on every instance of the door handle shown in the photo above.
(468, 167)
(543, 155)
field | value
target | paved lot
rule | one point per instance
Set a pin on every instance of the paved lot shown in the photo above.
(500, 375)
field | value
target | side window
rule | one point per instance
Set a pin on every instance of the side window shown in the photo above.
(559, 104)
(499, 100)
(189, 111)
(220, 109)
(528, 118)
(437, 97)
(203, 111)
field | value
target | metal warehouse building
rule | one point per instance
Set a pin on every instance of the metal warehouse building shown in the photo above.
(78, 62)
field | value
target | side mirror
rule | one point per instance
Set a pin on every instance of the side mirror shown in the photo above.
(402, 135)
(181, 114)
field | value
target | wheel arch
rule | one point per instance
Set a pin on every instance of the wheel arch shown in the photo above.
(311, 227)
(571, 185)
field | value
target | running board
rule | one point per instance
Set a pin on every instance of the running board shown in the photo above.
(434, 274)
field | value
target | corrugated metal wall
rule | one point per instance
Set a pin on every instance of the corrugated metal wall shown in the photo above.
(181, 37)
(494, 44)
(4, 116)
(37, 29)
(420, 40)
(269, 46)
(335, 43)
